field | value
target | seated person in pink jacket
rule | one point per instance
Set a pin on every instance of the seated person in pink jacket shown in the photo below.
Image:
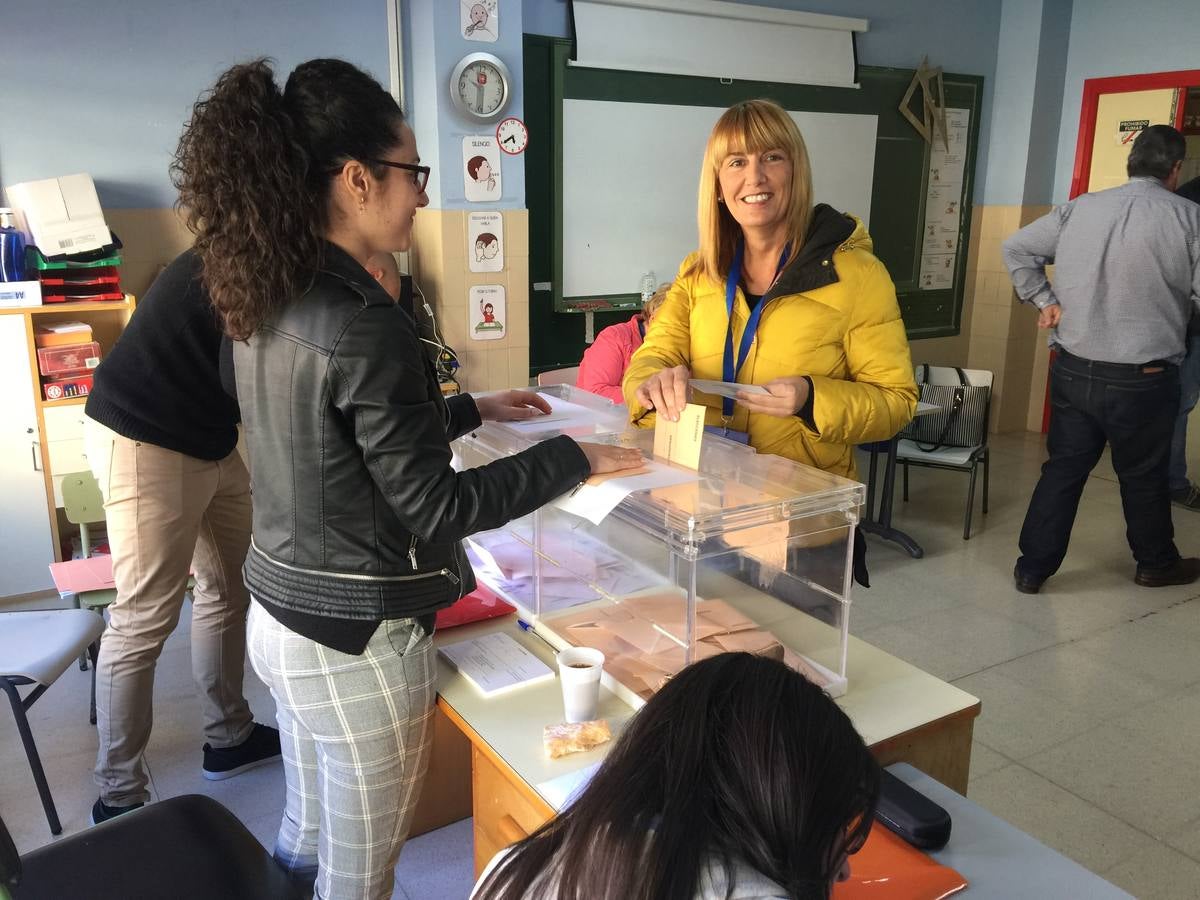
(604, 362)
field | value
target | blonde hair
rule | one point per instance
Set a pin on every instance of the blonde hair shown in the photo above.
(655, 300)
(752, 126)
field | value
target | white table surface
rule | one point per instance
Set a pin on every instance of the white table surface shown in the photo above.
(886, 697)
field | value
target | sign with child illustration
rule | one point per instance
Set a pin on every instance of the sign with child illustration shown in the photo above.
(481, 168)
(485, 306)
(485, 242)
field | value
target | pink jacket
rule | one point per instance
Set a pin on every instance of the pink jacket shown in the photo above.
(604, 363)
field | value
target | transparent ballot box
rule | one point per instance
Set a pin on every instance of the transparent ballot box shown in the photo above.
(574, 412)
(749, 552)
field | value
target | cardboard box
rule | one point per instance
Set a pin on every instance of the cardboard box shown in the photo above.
(79, 386)
(62, 334)
(61, 215)
(20, 294)
(68, 360)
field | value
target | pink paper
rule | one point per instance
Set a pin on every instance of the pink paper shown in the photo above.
(75, 576)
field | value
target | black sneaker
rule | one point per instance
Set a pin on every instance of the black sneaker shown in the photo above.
(259, 749)
(102, 812)
(1188, 497)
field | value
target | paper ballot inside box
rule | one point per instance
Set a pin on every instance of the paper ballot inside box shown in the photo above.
(62, 215)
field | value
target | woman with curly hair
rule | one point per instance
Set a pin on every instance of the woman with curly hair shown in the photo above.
(358, 515)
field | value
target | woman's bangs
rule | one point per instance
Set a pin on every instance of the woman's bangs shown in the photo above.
(751, 130)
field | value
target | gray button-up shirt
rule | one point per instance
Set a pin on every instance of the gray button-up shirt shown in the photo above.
(1126, 271)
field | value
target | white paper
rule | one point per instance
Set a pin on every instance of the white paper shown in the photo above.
(725, 388)
(943, 204)
(485, 241)
(595, 501)
(562, 791)
(563, 414)
(481, 168)
(479, 20)
(495, 663)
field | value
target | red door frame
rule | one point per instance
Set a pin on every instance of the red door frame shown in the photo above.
(1093, 88)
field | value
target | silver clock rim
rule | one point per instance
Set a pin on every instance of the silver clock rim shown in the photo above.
(505, 80)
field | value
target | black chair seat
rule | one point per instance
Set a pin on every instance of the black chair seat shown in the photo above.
(183, 848)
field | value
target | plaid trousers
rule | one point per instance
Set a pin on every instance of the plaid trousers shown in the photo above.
(355, 732)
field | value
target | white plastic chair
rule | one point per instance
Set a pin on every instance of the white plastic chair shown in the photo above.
(36, 647)
(558, 376)
(955, 459)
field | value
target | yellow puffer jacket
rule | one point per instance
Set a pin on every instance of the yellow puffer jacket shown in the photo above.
(832, 315)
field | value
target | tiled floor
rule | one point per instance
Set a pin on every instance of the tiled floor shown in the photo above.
(1091, 713)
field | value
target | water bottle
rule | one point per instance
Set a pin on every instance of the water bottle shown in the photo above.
(12, 248)
(649, 286)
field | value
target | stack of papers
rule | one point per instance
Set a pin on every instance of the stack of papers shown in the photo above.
(495, 663)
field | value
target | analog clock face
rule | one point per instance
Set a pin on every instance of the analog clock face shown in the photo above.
(512, 136)
(481, 88)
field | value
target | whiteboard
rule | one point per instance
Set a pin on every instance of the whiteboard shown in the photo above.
(630, 177)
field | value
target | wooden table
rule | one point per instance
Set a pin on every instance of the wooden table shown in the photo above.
(904, 715)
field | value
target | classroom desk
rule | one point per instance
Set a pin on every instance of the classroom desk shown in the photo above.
(904, 715)
(881, 524)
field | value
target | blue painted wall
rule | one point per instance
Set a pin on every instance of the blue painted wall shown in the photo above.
(436, 46)
(1118, 37)
(106, 87)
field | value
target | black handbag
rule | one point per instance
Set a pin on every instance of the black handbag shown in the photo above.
(959, 420)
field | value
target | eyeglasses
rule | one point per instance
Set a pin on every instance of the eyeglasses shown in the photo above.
(420, 174)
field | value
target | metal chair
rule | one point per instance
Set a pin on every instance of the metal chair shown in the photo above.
(35, 649)
(956, 459)
(83, 505)
(185, 848)
(558, 376)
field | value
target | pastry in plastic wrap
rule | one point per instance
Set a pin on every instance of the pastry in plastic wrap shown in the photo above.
(575, 737)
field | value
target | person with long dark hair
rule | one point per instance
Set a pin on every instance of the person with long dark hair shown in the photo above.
(358, 515)
(739, 779)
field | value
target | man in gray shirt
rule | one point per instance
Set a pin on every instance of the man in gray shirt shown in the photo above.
(1126, 282)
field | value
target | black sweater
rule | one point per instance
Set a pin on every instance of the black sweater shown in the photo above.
(161, 383)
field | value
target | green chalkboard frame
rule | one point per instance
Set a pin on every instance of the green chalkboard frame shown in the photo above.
(900, 179)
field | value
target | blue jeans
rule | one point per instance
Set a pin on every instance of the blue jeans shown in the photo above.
(1132, 411)
(1189, 393)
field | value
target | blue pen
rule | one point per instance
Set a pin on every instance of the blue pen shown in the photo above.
(523, 625)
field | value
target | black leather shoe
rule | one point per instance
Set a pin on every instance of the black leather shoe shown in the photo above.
(1027, 584)
(1184, 571)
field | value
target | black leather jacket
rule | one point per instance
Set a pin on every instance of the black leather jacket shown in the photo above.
(357, 512)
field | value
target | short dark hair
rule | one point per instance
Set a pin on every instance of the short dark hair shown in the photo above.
(1155, 152)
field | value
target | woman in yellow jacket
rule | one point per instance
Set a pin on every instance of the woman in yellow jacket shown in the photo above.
(829, 345)
(783, 295)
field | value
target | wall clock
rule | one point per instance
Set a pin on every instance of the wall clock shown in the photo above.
(512, 136)
(480, 86)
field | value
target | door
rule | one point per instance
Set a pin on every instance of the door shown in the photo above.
(26, 547)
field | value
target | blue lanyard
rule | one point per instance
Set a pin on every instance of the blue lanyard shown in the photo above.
(733, 365)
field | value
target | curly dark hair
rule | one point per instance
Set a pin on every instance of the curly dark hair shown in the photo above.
(253, 171)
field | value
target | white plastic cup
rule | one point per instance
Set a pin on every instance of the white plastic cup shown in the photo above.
(579, 671)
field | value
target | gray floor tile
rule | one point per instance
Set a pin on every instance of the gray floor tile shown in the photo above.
(1126, 774)
(1081, 681)
(1078, 829)
(1157, 873)
(985, 760)
(1018, 720)
(1173, 721)
(1150, 652)
(439, 864)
